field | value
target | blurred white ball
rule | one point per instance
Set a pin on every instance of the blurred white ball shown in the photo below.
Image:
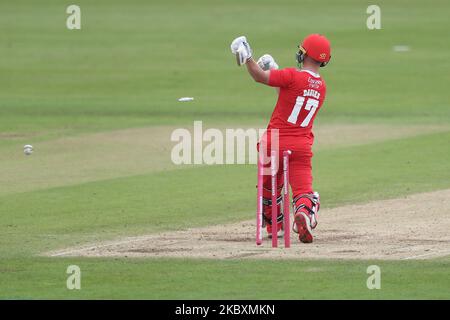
(28, 149)
(186, 99)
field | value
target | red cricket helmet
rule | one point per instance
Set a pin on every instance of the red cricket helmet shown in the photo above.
(317, 47)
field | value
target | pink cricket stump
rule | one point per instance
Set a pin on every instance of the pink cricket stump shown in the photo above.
(259, 204)
(286, 210)
(273, 172)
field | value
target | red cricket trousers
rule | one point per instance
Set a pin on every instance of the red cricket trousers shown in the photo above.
(300, 176)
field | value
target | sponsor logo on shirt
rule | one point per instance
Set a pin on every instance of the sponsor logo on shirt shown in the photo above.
(314, 83)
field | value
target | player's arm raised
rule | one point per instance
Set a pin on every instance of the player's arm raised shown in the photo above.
(267, 62)
(241, 48)
(258, 74)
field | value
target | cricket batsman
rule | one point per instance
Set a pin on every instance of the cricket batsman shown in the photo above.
(301, 93)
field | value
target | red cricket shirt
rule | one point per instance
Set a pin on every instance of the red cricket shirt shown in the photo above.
(302, 93)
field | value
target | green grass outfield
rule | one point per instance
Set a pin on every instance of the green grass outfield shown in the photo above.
(125, 70)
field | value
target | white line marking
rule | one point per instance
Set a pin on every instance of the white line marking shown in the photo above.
(441, 253)
(116, 243)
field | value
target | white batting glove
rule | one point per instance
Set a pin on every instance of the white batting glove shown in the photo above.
(266, 62)
(241, 49)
